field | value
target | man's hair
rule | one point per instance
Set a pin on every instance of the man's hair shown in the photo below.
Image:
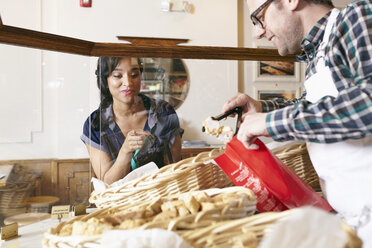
(323, 2)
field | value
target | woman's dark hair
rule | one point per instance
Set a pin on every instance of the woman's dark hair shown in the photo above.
(105, 66)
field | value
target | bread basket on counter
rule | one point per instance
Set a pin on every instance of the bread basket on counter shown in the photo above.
(248, 232)
(13, 193)
(195, 173)
(187, 211)
(202, 230)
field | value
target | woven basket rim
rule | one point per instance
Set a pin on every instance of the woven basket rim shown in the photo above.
(166, 179)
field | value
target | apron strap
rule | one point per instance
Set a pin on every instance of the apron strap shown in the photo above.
(327, 33)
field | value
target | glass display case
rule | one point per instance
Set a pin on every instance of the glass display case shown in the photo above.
(48, 88)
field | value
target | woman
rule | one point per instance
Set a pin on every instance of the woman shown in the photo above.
(129, 129)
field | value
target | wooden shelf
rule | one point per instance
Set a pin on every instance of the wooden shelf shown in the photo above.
(46, 41)
(35, 39)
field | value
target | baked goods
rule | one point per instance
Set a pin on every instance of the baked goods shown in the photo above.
(187, 209)
(213, 127)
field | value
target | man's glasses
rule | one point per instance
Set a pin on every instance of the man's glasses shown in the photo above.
(254, 18)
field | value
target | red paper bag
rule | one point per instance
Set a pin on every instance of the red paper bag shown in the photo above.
(276, 186)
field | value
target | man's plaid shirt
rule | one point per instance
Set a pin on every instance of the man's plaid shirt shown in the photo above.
(348, 55)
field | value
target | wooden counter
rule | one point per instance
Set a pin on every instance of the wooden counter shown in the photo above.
(69, 179)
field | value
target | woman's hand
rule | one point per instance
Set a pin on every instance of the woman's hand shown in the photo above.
(134, 140)
(248, 103)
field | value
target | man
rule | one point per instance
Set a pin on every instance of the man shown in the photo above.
(334, 115)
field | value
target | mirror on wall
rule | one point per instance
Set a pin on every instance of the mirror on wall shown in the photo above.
(165, 79)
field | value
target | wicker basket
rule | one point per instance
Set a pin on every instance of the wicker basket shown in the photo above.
(190, 174)
(14, 195)
(214, 205)
(19, 186)
(248, 232)
(297, 158)
(244, 232)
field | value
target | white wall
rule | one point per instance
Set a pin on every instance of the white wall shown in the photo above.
(46, 96)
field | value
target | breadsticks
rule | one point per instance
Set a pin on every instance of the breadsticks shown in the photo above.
(222, 203)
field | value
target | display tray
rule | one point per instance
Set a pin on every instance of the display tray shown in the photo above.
(26, 218)
(41, 204)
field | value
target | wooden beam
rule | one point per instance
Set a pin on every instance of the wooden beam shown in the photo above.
(40, 40)
(35, 39)
(1, 23)
(189, 52)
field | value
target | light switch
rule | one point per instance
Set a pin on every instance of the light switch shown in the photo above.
(165, 5)
(176, 6)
